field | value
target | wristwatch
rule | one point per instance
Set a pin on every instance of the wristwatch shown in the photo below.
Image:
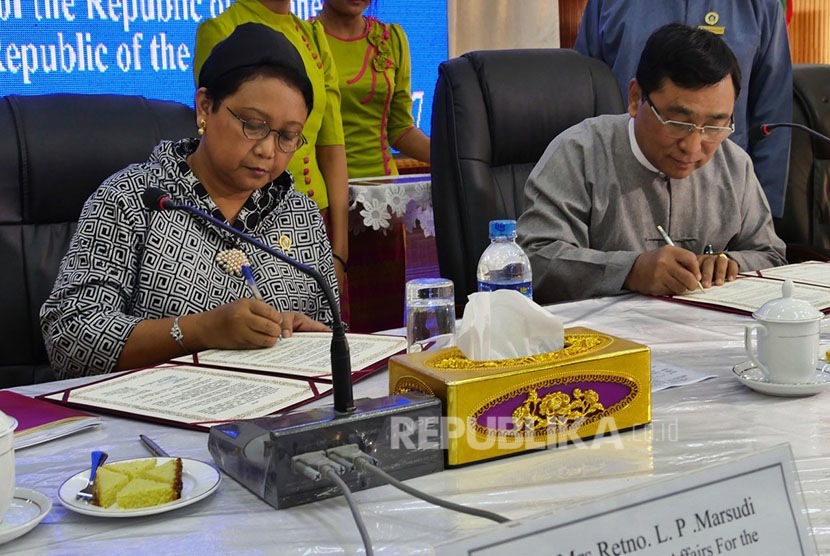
(176, 333)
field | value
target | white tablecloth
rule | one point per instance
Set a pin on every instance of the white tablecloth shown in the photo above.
(693, 426)
(377, 203)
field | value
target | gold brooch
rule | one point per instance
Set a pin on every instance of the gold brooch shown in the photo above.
(285, 243)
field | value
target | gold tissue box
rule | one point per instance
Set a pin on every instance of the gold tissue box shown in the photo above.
(596, 384)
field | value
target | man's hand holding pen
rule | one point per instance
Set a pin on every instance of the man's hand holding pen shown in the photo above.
(669, 270)
(672, 270)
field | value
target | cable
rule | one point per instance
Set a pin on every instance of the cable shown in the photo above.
(331, 474)
(330, 463)
(362, 464)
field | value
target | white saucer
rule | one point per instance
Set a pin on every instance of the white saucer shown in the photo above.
(752, 377)
(27, 509)
(199, 480)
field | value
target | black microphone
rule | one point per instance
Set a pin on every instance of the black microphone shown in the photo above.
(341, 365)
(756, 133)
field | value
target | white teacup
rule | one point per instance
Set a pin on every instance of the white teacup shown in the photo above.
(787, 336)
(7, 426)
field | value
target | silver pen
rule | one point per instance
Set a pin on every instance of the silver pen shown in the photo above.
(154, 448)
(667, 238)
(665, 235)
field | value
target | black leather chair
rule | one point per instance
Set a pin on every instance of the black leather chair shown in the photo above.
(54, 151)
(494, 113)
(805, 224)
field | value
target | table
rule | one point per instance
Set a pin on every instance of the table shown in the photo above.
(693, 426)
(391, 240)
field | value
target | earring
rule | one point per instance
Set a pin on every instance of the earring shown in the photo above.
(202, 127)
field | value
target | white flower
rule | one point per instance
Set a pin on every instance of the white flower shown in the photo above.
(427, 220)
(397, 199)
(376, 214)
(423, 195)
(410, 217)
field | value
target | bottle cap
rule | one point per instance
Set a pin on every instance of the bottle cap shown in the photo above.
(502, 228)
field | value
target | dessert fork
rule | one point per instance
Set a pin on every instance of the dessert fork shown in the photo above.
(98, 459)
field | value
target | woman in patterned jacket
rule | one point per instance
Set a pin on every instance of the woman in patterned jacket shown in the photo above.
(139, 287)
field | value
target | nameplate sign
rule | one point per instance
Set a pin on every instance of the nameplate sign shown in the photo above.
(749, 506)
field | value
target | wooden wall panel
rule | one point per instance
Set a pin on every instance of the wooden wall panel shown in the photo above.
(570, 14)
(809, 32)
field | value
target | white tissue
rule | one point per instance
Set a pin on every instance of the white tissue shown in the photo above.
(504, 324)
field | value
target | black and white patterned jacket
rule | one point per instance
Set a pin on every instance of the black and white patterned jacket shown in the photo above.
(126, 263)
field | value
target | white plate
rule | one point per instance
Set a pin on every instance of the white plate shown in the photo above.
(752, 377)
(27, 509)
(199, 480)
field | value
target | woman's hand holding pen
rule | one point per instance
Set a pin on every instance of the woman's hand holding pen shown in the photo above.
(246, 324)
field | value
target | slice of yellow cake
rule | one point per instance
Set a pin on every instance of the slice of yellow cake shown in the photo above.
(138, 483)
(107, 485)
(169, 473)
(132, 468)
(143, 493)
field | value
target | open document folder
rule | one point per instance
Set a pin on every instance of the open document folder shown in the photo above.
(217, 386)
(752, 289)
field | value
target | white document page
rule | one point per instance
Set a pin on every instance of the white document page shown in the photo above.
(193, 395)
(815, 273)
(306, 354)
(664, 375)
(748, 294)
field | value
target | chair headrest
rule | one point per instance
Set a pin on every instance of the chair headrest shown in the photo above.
(811, 88)
(69, 144)
(532, 95)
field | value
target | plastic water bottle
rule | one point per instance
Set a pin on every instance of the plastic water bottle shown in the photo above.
(504, 265)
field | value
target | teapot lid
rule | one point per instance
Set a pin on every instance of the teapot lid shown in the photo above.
(787, 308)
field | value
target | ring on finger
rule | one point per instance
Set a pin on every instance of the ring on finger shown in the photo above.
(721, 255)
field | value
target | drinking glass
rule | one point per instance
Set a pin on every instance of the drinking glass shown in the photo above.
(430, 313)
